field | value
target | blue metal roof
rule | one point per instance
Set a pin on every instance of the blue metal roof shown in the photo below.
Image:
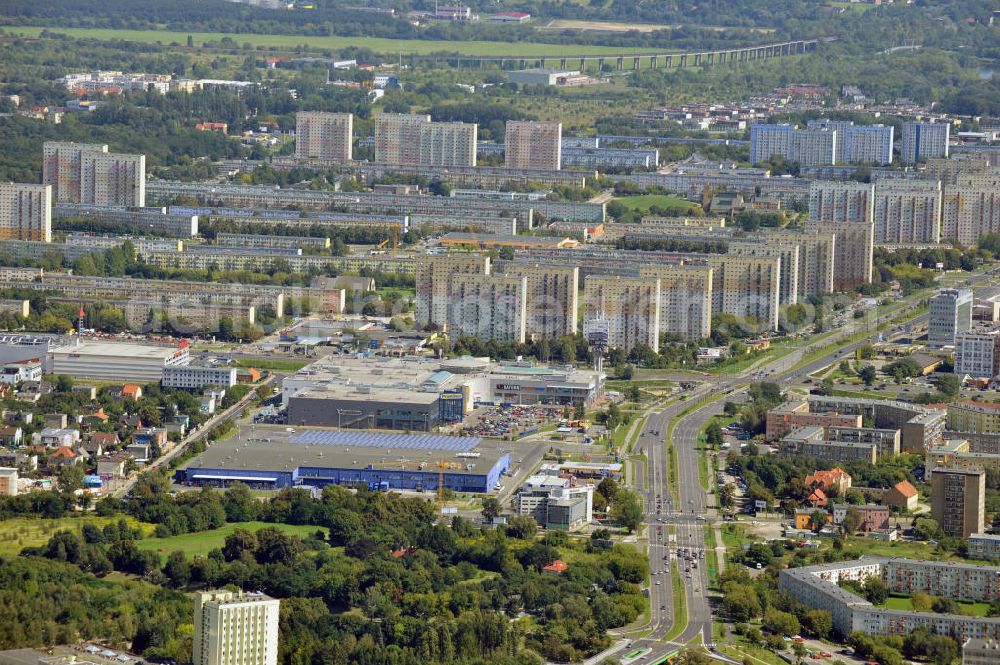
(379, 440)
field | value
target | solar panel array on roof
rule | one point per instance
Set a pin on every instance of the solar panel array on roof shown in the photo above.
(378, 440)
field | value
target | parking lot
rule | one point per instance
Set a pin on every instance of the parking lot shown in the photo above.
(498, 421)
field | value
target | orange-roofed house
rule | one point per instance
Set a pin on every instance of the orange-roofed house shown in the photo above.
(131, 391)
(64, 456)
(903, 494)
(247, 375)
(557, 567)
(817, 498)
(833, 478)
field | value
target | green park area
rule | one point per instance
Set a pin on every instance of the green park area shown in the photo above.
(202, 542)
(905, 603)
(377, 44)
(16, 533)
(643, 204)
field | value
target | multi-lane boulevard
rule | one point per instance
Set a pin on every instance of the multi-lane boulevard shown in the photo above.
(687, 514)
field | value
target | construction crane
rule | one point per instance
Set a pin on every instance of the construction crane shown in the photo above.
(441, 465)
(394, 231)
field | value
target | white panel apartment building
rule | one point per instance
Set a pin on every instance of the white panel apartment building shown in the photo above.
(924, 140)
(552, 298)
(631, 307)
(25, 212)
(816, 587)
(194, 377)
(235, 629)
(685, 298)
(533, 145)
(977, 354)
(488, 306)
(320, 135)
(113, 179)
(62, 168)
(971, 208)
(413, 140)
(907, 211)
(841, 201)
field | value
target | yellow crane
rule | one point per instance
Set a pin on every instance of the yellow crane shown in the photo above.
(394, 231)
(441, 465)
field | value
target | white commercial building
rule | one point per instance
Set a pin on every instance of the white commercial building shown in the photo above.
(114, 361)
(193, 377)
(235, 629)
(950, 314)
(977, 354)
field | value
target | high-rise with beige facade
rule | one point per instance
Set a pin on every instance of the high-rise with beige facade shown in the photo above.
(320, 135)
(487, 306)
(533, 145)
(782, 246)
(235, 628)
(971, 207)
(840, 201)
(817, 251)
(113, 179)
(25, 212)
(853, 249)
(433, 284)
(413, 140)
(62, 164)
(629, 306)
(907, 211)
(552, 298)
(685, 298)
(747, 287)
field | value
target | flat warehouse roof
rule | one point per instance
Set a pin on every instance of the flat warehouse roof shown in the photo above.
(122, 351)
(380, 440)
(271, 450)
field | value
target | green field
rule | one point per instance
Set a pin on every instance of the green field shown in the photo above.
(377, 44)
(643, 203)
(202, 542)
(905, 603)
(20, 532)
(273, 364)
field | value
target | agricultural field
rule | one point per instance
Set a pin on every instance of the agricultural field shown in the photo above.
(614, 26)
(377, 44)
(203, 542)
(17, 533)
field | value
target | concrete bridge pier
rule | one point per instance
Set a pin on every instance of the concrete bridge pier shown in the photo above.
(635, 63)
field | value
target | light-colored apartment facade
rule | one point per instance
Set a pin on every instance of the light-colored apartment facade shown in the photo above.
(958, 500)
(629, 306)
(320, 135)
(433, 284)
(62, 168)
(25, 212)
(841, 201)
(413, 140)
(533, 145)
(924, 140)
(488, 306)
(907, 211)
(552, 293)
(113, 179)
(685, 298)
(235, 629)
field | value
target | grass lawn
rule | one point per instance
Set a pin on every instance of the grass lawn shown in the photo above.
(643, 203)
(733, 536)
(274, 364)
(20, 532)
(377, 44)
(202, 542)
(680, 605)
(905, 603)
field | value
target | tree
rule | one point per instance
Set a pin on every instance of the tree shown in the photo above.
(71, 478)
(782, 623)
(818, 520)
(693, 657)
(852, 521)
(177, 569)
(948, 384)
(240, 544)
(741, 602)
(926, 528)
(867, 374)
(64, 383)
(491, 509)
(875, 590)
(713, 434)
(627, 509)
(819, 623)
(727, 496)
(523, 526)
